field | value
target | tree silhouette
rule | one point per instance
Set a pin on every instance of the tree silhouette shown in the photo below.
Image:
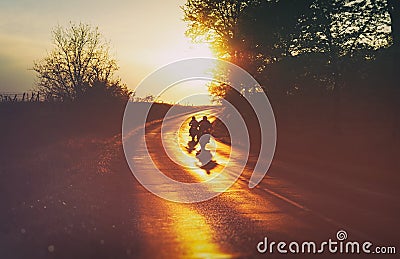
(215, 21)
(346, 32)
(79, 61)
(288, 44)
(394, 12)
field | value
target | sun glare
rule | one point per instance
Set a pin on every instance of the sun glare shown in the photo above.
(194, 92)
(200, 50)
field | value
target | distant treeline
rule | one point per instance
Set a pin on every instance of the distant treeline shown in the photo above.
(41, 97)
(28, 97)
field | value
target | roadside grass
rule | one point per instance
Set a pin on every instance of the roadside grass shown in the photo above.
(67, 190)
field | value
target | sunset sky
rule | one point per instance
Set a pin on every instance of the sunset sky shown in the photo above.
(144, 35)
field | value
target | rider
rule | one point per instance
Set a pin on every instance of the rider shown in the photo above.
(193, 131)
(205, 127)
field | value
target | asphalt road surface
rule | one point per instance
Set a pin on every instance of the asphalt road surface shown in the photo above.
(290, 204)
(77, 198)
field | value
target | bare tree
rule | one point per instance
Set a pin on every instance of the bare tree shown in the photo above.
(80, 58)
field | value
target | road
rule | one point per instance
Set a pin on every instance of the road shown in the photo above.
(291, 203)
(75, 197)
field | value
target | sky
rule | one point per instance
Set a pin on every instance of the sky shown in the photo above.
(144, 35)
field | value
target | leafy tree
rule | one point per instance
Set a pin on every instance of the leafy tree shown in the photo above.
(347, 32)
(215, 21)
(393, 7)
(286, 43)
(79, 61)
(253, 34)
(101, 92)
(268, 30)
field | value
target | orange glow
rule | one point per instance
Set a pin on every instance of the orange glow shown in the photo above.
(199, 245)
(188, 232)
(187, 158)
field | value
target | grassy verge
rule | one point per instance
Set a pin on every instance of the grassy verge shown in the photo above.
(67, 190)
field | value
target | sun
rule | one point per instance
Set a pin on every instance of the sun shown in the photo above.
(184, 48)
(177, 48)
(193, 92)
(200, 50)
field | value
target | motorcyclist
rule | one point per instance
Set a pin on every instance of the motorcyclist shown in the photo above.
(205, 128)
(193, 131)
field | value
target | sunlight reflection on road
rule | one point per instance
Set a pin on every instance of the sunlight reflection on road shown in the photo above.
(176, 135)
(184, 228)
(244, 202)
(194, 233)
